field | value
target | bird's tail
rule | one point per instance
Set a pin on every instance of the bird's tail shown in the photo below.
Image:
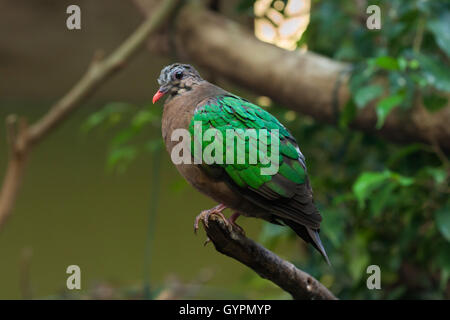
(309, 235)
(314, 234)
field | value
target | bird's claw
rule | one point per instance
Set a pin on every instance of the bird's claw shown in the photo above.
(204, 216)
(229, 223)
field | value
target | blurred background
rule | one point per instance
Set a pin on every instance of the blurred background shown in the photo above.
(101, 192)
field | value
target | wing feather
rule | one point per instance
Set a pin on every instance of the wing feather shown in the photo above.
(287, 193)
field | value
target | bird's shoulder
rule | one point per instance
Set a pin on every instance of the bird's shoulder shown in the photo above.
(228, 111)
(232, 109)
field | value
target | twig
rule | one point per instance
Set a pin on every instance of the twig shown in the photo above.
(417, 42)
(21, 139)
(268, 265)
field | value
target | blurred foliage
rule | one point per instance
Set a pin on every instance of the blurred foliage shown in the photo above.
(410, 52)
(382, 204)
(132, 125)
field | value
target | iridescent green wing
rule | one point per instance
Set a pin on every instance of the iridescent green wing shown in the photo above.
(228, 114)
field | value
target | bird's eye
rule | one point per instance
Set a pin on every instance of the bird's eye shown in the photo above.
(179, 75)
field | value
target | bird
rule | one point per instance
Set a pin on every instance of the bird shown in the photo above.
(284, 197)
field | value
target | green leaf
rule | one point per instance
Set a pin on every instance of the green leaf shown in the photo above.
(440, 27)
(366, 94)
(434, 102)
(442, 216)
(385, 106)
(402, 63)
(143, 118)
(402, 180)
(367, 182)
(121, 157)
(111, 113)
(333, 226)
(414, 64)
(357, 247)
(387, 63)
(381, 199)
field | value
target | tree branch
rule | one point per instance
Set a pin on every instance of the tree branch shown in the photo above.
(304, 82)
(21, 138)
(231, 242)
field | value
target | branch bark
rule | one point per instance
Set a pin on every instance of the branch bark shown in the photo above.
(304, 82)
(22, 138)
(231, 242)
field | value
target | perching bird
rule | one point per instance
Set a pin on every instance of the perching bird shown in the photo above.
(284, 197)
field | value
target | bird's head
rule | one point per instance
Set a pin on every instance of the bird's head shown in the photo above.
(177, 79)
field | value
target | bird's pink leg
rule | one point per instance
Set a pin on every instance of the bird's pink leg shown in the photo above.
(233, 219)
(204, 215)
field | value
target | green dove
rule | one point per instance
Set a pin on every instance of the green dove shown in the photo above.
(234, 164)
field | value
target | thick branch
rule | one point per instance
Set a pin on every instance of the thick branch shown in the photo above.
(304, 82)
(22, 139)
(268, 265)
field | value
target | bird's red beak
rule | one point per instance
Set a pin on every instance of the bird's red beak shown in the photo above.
(158, 95)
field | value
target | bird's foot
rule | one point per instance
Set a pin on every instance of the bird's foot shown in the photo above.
(204, 216)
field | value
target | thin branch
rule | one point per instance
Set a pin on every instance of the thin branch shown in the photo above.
(21, 139)
(231, 242)
(417, 42)
(99, 71)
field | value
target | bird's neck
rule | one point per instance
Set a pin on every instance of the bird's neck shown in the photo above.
(179, 109)
(183, 87)
(190, 96)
